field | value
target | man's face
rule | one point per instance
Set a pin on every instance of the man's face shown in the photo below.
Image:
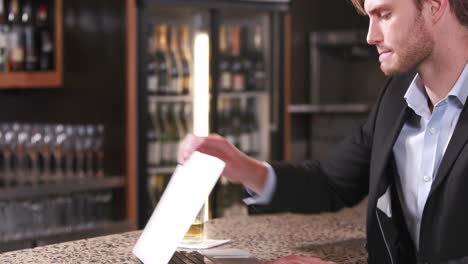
(398, 29)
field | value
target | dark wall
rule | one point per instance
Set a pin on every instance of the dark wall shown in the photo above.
(94, 78)
(308, 16)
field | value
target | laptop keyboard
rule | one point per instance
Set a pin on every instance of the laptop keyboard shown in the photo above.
(185, 257)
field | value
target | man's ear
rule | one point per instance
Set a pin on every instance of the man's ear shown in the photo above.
(437, 9)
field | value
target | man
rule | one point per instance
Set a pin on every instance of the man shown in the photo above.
(410, 157)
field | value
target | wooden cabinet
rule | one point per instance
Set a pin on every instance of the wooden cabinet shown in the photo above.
(41, 79)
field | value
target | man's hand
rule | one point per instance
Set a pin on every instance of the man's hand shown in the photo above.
(299, 260)
(239, 167)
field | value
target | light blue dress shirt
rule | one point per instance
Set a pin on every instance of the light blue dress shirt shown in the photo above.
(422, 142)
(418, 149)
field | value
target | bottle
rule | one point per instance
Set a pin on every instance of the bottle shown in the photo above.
(236, 122)
(259, 68)
(222, 128)
(165, 135)
(247, 60)
(4, 31)
(238, 74)
(16, 51)
(225, 80)
(157, 184)
(30, 59)
(188, 117)
(162, 59)
(180, 127)
(253, 127)
(174, 134)
(153, 135)
(227, 123)
(245, 132)
(176, 76)
(186, 57)
(44, 40)
(151, 74)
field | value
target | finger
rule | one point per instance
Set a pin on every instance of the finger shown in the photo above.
(187, 147)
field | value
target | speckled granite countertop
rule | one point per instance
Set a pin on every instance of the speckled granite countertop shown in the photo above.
(338, 237)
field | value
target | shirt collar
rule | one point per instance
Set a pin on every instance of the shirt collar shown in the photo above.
(416, 96)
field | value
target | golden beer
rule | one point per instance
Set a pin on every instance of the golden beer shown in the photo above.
(195, 233)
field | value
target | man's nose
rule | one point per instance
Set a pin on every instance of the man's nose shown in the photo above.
(374, 35)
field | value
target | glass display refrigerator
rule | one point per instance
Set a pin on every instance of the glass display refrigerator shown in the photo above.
(207, 67)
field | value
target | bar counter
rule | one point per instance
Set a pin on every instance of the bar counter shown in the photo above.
(338, 237)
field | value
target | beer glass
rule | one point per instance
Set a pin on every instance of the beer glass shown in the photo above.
(196, 233)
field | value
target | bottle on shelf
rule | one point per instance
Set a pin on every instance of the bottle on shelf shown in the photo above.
(253, 50)
(225, 121)
(176, 74)
(4, 31)
(225, 80)
(238, 73)
(151, 73)
(252, 125)
(156, 185)
(45, 44)
(236, 122)
(187, 59)
(30, 57)
(167, 135)
(153, 135)
(179, 123)
(245, 133)
(162, 60)
(175, 135)
(15, 38)
(246, 58)
(188, 116)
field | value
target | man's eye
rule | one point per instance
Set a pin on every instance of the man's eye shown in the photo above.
(385, 15)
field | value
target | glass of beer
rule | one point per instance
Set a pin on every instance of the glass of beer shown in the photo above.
(196, 233)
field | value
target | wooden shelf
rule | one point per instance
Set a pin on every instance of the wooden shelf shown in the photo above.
(170, 98)
(63, 188)
(152, 170)
(44, 237)
(246, 94)
(30, 79)
(329, 109)
(38, 79)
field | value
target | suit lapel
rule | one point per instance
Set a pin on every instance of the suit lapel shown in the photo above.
(387, 146)
(394, 112)
(456, 144)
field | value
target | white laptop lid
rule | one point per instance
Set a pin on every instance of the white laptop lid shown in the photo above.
(184, 196)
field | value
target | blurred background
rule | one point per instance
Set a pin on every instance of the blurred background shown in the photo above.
(95, 96)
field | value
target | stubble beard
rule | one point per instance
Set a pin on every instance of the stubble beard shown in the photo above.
(410, 52)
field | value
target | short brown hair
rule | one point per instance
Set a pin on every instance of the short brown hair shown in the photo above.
(458, 7)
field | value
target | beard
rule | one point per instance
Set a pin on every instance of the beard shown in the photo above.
(411, 50)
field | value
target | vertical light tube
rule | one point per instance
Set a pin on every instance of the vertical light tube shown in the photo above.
(201, 93)
(201, 96)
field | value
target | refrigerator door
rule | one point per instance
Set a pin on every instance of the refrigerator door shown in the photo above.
(167, 52)
(229, 51)
(246, 88)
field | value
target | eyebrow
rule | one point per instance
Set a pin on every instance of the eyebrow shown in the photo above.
(378, 8)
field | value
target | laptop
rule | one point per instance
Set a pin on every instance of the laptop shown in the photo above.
(183, 197)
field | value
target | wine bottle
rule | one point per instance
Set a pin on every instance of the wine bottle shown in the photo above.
(16, 51)
(176, 75)
(4, 31)
(162, 60)
(238, 74)
(30, 58)
(225, 80)
(186, 58)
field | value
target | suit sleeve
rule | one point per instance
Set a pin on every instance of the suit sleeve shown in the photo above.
(317, 186)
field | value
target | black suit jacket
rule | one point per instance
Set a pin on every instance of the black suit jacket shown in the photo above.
(362, 165)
